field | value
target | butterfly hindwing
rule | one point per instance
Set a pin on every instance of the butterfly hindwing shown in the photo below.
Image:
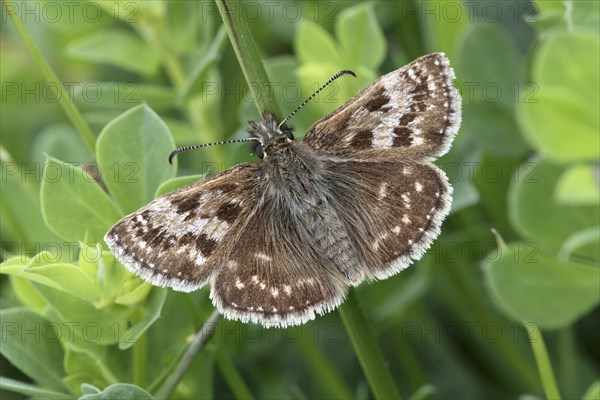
(411, 112)
(277, 274)
(392, 211)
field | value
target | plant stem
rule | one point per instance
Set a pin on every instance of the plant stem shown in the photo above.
(320, 366)
(234, 380)
(196, 345)
(543, 362)
(30, 390)
(67, 105)
(140, 359)
(249, 59)
(365, 346)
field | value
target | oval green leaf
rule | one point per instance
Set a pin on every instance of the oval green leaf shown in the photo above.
(530, 285)
(361, 36)
(176, 183)
(32, 344)
(315, 44)
(119, 391)
(564, 123)
(132, 152)
(116, 47)
(534, 213)
(73, 204)
(578, 185)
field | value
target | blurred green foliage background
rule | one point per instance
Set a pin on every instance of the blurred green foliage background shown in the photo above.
(144, 77)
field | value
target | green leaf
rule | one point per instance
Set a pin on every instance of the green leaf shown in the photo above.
(530, 285)
(127, 12)
(489, 69)
(150, 312)
(89, 389)
(32, 344)
(488, 55)
(116, 47)
(136, 295)
(197, 79)
(578, 240)
(443, 30)
(593, 392)
(315, 44)
(112, 276)
(32, 391)
(502, 134)
(73, 204)
(19, 193)
(89, 326)
(176, 183)
(60, 141)
(84, 368)
(568, 102)
(134, 147)
(585, 14)
(361, 36)
(122, 96)
(27, 294)
(68, 278)
(578, 185)
(119, 391)
(534, 213)
(556, 116)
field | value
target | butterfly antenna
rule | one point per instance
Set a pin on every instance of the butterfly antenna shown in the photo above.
(186, 148)
(333, 78)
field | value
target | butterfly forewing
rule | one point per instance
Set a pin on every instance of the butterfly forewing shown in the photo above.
(413, 112)
(177, 239)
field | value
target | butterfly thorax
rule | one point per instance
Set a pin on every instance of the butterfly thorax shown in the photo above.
(292, 173)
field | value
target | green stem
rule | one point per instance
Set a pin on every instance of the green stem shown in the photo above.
(249, 59)
(234, 379)
(320, 366)
(140, 359)
(67, 105)
(365, 346)
(30, 390)
(543, 362)
(196, 345)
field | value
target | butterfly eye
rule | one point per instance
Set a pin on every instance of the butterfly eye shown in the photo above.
(258, 150)
(288, 133)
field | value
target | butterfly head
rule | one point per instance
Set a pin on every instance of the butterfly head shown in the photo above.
(270, 135)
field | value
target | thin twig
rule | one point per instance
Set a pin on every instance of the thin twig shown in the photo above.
(196, 345)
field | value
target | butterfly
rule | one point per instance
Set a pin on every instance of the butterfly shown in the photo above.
(283, 240)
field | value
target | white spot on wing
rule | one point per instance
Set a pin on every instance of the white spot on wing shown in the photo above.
(418, 186)
(274, 292)
(263, 257)
(383, 190)
(417, 140)
(239, 284)
(200, 260)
